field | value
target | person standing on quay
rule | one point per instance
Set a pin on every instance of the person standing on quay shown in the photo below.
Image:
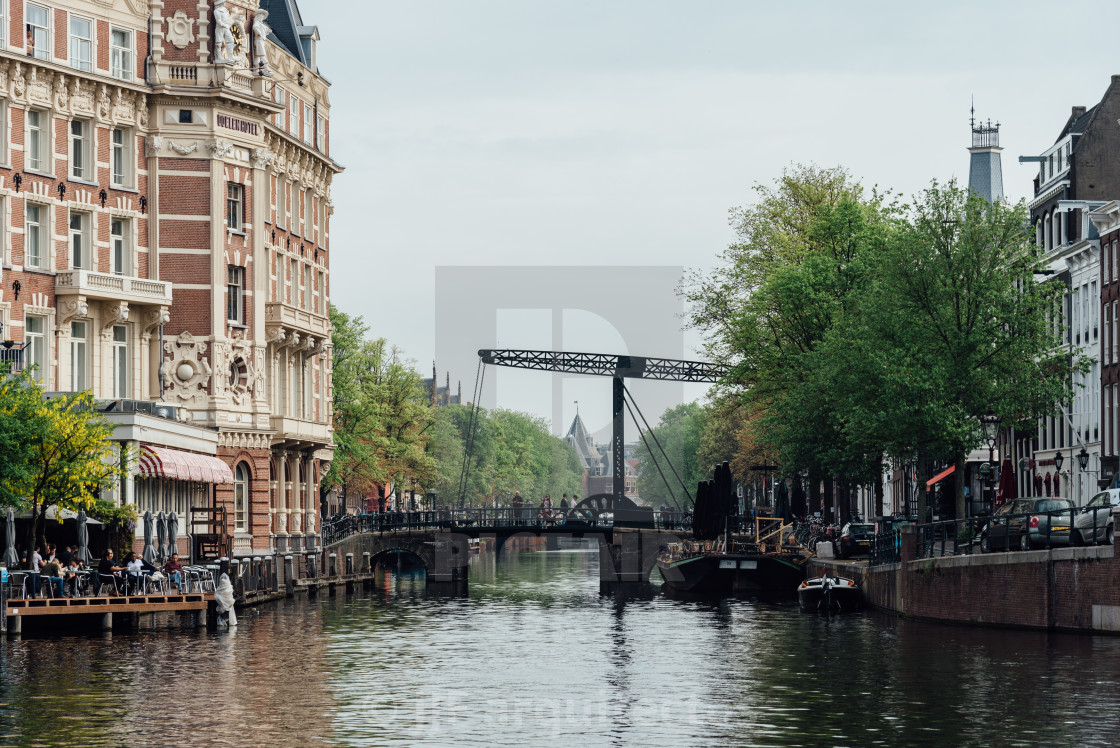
(517, 503)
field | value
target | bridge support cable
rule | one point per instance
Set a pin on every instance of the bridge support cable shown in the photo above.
(619, 368)
(652, 433)
(468, 441)
(653, 458)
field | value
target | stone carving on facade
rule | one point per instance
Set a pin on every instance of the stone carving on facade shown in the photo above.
(81, 99)
(152, 145)
(261, 30)
(224, 43)
(281, 522)
(142, 112)
(186, 372)
(153, 318)
(19, 84)
(104, 103)
(61, 95)
(70, 309)
(262, 157)
(182, 149)
(116, 313)
(180, 30)
(296, 517)
(37, 88)
(219, 148)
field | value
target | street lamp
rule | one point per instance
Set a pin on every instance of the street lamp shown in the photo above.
(1059, 458)
(1082, 462)
(990, 424)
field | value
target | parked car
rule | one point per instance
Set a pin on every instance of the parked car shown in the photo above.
(856, 538)
(1022, 524)
(1094, 523)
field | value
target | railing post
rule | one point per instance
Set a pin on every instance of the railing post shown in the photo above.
(908, 550)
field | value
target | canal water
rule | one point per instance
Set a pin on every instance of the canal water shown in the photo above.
(535, 655)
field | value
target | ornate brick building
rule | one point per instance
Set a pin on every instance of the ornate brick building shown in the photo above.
(165, 201)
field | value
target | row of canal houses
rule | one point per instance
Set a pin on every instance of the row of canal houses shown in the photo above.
(165, 201)
(1075, 214)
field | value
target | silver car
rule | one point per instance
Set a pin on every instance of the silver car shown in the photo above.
(1094, 523)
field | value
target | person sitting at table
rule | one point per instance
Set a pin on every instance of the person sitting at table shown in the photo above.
(63, 556)
(70, 576)
(135, 569)
(174, 571)
(52, 572)
(107, 571)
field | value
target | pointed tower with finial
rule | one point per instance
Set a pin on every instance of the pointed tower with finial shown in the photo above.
(985, 170)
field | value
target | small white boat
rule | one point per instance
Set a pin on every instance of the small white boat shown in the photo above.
(829, 595)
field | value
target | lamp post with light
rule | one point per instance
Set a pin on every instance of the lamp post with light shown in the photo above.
(1082, 462)
(1059, 458)
(990, 424)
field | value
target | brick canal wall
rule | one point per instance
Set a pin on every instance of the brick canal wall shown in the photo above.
(1066, 589)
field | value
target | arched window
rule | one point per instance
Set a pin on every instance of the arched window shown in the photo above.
(1046, 232)
(241, 498)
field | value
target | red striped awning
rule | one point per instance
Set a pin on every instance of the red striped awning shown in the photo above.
(939, 476)
(161, 462)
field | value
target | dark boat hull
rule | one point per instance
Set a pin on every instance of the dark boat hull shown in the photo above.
(732, 573)
(840, 598)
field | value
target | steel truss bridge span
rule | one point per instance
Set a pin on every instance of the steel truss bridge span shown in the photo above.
(619, 368)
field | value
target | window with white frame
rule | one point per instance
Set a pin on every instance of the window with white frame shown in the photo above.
(293, 115)
(280, 96)
(35, 236)
(38, 141)
(35, 337)
(289, 188)
(118, 246)
(321, 133)
(235, 290)
(38, 31)
(279, 278)
(3, 23)
(307, 287)
(79, 356)
(81, 249)
(235, 206)
(308, 122)
(121, 157)
(321, 238)
(309, 213)
(322, 292)
(5, 243)
(81, 43)
(281, 208)
(297, 211)
(81, 150)
(293, 280)
(120, 53)
(241, 498)
(120, 361)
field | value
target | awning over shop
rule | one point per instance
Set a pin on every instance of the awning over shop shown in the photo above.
(161, 462)
(948, 471)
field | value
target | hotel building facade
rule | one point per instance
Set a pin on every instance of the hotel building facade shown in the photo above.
(165, 178)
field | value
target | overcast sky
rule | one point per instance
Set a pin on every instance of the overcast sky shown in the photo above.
(620, 132)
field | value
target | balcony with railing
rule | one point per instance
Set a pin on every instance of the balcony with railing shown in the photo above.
(293, 319)
(299, 432)
(12, 355)
(111, 287)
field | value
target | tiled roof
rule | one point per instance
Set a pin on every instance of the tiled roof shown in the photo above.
(285, 21)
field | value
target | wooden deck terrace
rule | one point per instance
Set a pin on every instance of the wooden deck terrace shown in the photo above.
(38, 606)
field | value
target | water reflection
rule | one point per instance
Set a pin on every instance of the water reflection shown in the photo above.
(535, 653)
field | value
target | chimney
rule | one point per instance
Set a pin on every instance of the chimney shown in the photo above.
(1079, 110)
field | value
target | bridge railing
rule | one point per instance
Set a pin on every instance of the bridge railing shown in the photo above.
(504, 518)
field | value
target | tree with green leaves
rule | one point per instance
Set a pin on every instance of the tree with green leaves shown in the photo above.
(679, 432)
(382, 412)
(60, 449)
(964, 328)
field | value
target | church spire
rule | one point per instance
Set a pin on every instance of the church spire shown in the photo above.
(985, 170)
